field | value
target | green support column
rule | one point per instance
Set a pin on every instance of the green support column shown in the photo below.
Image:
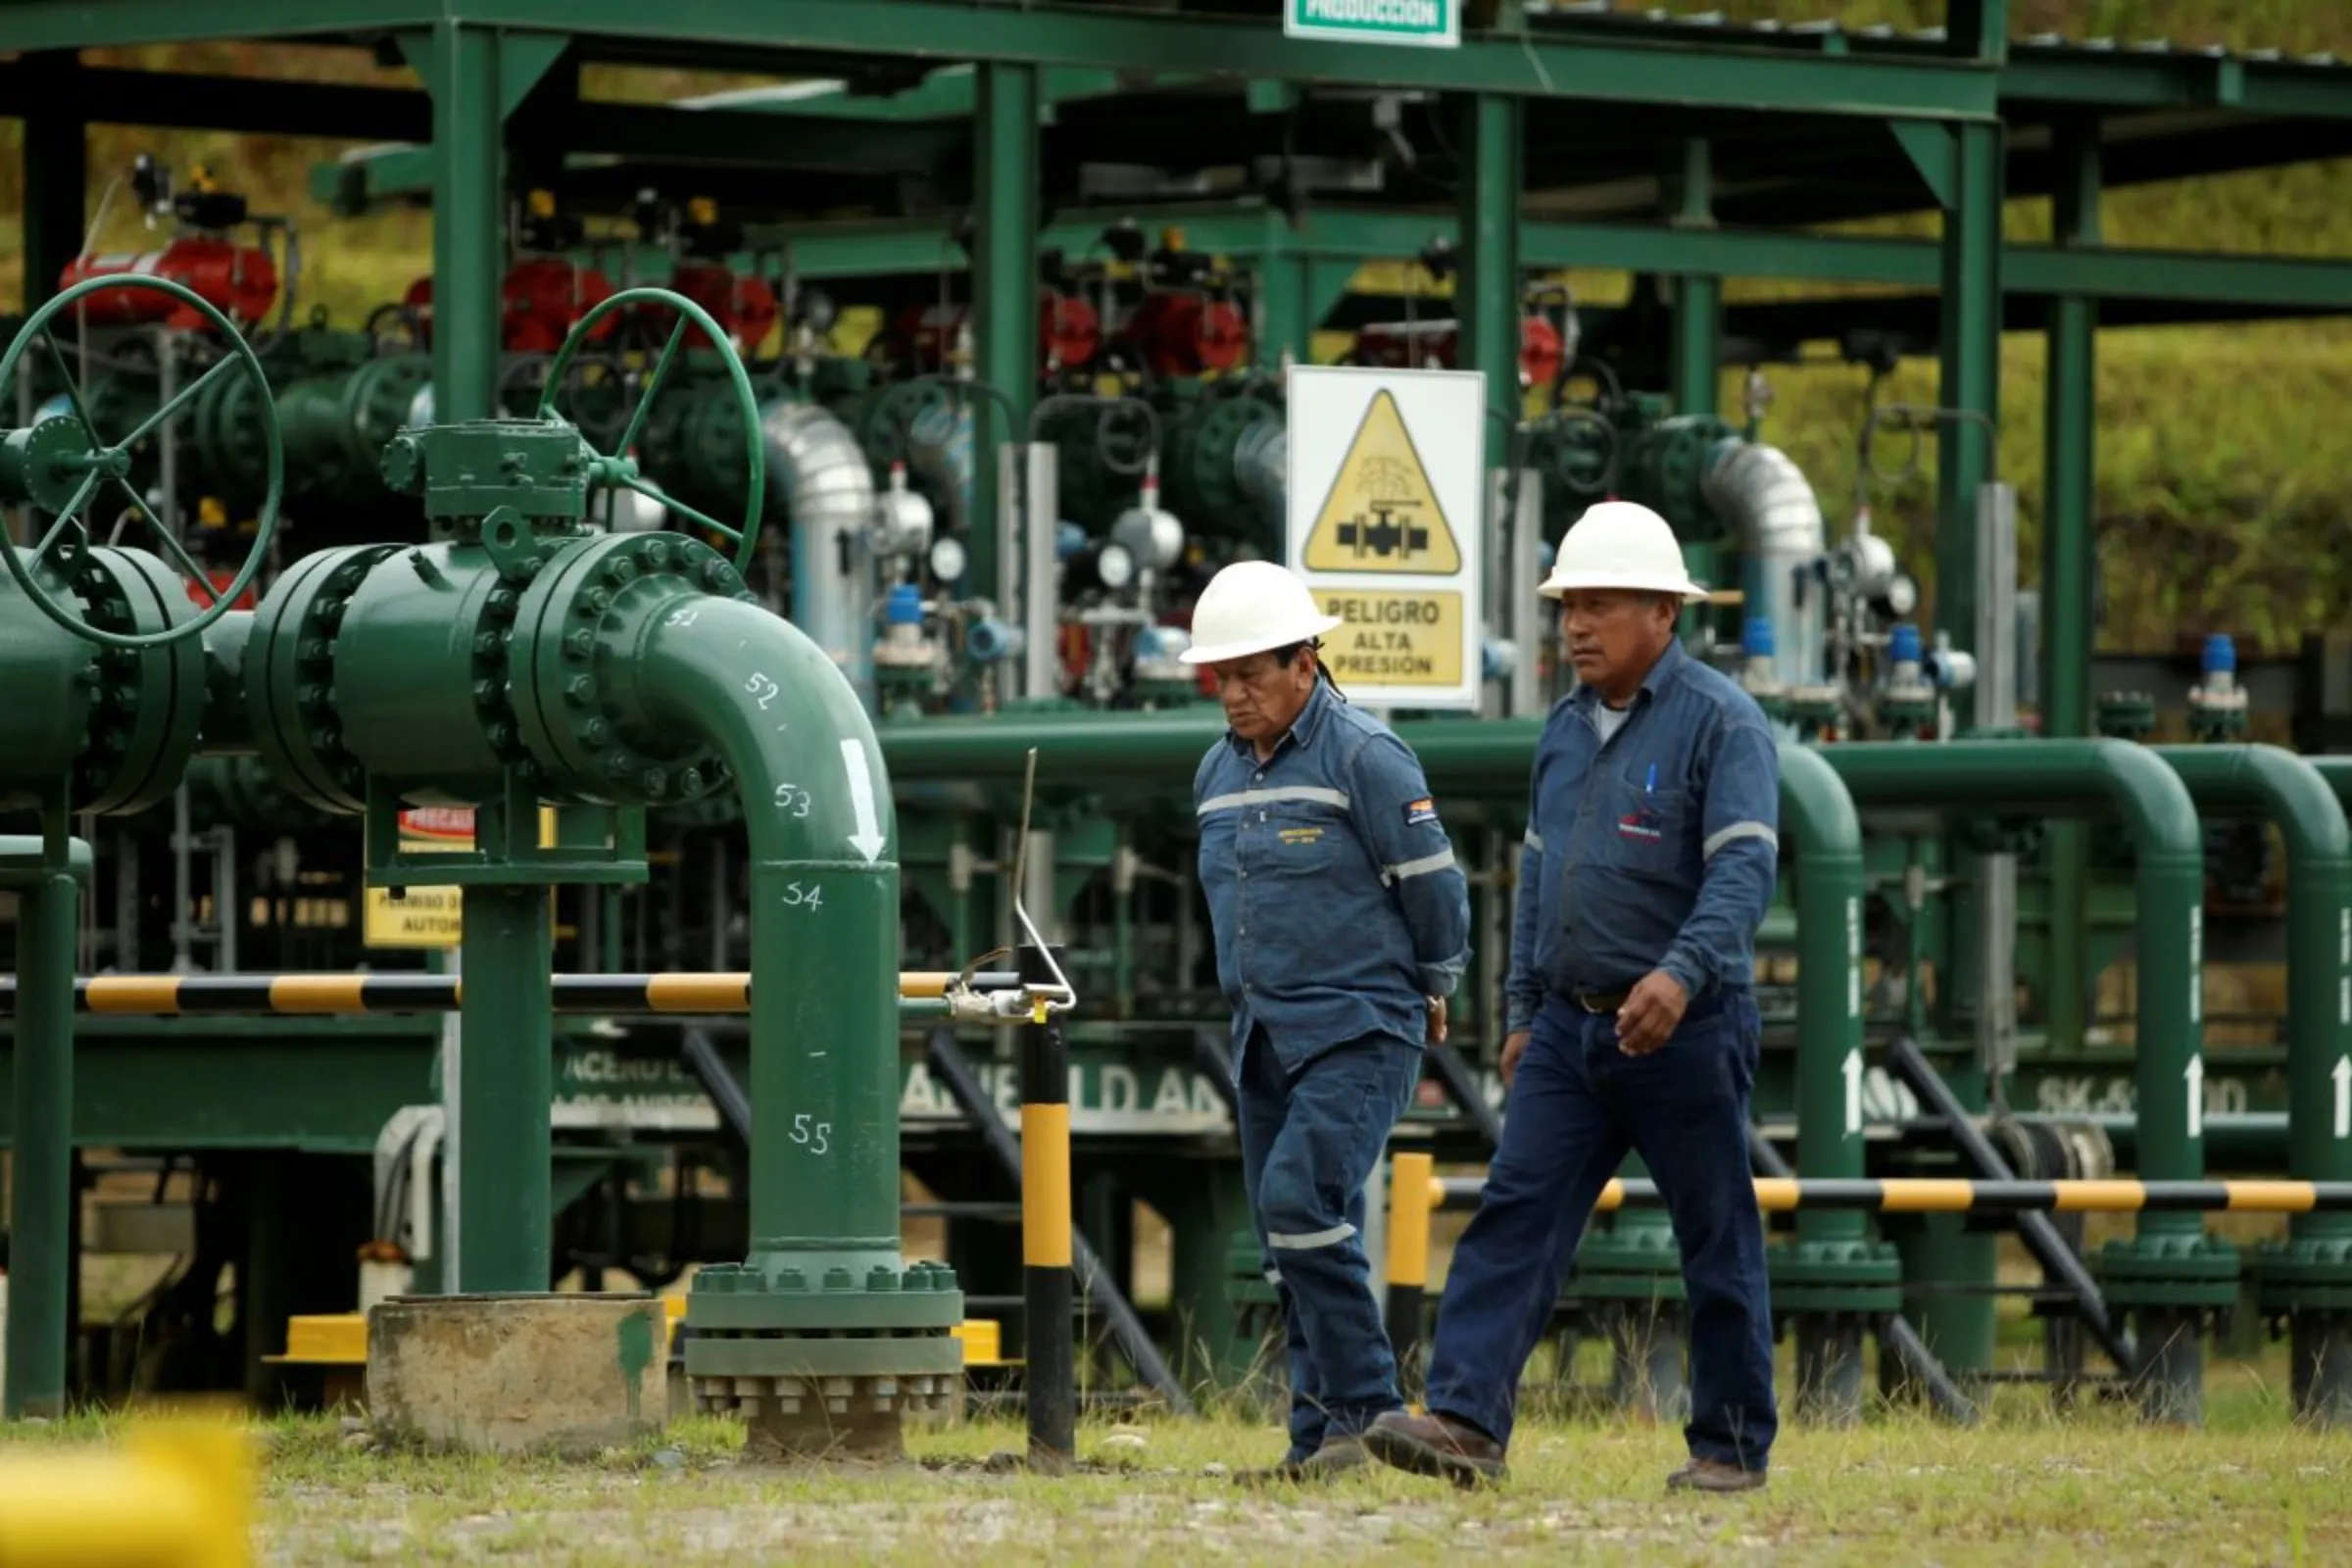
(1697, 296)
(501, 1233)
(1970, 392)
(506, 1080)
(1003, 293)
(2068, 553)
(1288, 307)
(1689, 188)
(469, 219)
(1960, 1329)
(41, 1208)
(476, 76)
(1487, 296)
(57, 177)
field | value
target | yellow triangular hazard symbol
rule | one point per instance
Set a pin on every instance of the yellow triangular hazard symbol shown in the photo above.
(1382, 515)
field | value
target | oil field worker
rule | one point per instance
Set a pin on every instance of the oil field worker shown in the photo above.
(1342, 925)
(1650, 861)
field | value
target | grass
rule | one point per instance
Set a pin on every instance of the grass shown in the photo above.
(2248, 1489)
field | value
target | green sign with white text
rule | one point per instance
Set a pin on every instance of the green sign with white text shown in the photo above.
(1436, 24)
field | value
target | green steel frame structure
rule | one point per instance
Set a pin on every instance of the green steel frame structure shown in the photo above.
(1552, 137)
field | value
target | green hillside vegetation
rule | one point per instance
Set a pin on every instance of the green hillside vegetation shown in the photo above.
(2220, 497)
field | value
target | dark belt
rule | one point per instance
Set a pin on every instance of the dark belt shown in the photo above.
(1600, 1000)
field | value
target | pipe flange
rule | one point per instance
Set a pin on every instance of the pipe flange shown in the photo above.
(580, 623)
(291, 674)
(150, 711)
(112, 676)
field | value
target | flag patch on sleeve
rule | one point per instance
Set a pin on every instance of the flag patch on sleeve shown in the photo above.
(1420, 812)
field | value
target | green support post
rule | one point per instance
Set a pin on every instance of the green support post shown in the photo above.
(1698, 296)
(1494, 139)
(1966, 160)
(1697, 326)
(41, 1208)
(503, 1143)
(1971, 369)
(2067, 555)
(1835, 1279)
(1004, 323)
(460, 67)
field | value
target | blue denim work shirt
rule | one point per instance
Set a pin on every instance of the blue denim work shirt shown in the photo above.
(1656, 848)
(1332, 885)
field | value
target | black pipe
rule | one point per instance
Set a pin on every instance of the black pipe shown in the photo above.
(1455, 1073)
(718, 1082)
(949, 1062)
(2040, 1237)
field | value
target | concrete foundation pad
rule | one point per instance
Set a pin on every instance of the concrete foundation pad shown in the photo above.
(567, 1374)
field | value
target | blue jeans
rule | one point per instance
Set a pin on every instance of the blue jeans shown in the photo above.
(1309, 1142)
(1577, 1104)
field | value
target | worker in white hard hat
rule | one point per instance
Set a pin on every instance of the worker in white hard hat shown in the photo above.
(1651, 854)
(1342, 926)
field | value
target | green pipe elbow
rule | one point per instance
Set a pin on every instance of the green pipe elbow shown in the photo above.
(2062, 778)
(824, 915)
(2304, 803)
(1817, 812)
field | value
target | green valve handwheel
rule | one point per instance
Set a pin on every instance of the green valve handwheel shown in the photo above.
(621, 469)
(59, 463)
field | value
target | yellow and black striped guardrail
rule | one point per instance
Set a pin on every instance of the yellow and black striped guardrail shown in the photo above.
(165, 995)
(1928, 1196)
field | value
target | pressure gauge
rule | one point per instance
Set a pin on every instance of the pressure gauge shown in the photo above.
(1114, 568)
(947, 557)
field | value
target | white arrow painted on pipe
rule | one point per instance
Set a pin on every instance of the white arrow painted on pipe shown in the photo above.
(1853, 1090)
(2343, 1095)
(2194, 1072)
(868, 840)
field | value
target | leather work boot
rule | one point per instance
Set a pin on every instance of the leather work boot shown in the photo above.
(1714, 1474)
(1336, 1456)
(1436, 1446)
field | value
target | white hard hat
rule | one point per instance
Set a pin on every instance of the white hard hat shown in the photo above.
(1621, 544)
(1249, 607)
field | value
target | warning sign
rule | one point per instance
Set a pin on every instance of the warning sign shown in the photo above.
(1393, 638)
(423, 917)
(1386, 525)
(432, 916)
(1380, 514)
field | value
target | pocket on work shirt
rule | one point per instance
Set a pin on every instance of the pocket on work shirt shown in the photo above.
(1299, 839)
(1647, 831)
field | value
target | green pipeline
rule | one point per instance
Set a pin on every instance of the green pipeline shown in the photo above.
(2036, 780)
(2299, 796)
(824, 917)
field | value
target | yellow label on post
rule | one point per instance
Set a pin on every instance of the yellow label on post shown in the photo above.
(433, 916)
(1382, 512)
(1393, 637)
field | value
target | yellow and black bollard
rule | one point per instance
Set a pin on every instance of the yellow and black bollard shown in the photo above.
(1412, 1197)
(1051, 1376)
